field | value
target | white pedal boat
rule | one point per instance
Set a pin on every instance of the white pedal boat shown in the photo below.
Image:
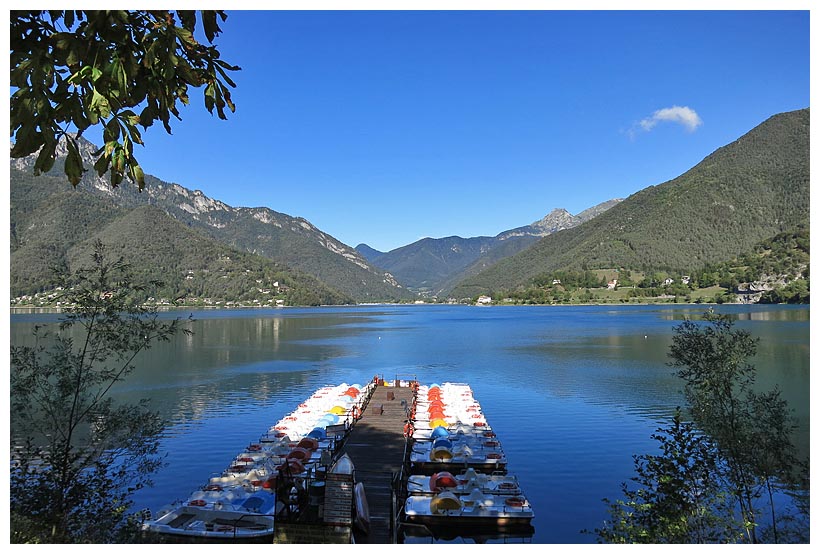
(464, 483)
(428, 457)
(475, 508)
(228, 513)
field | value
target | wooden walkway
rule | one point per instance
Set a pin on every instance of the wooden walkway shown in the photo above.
(376, 447)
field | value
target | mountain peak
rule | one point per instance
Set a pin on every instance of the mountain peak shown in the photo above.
(557, 219)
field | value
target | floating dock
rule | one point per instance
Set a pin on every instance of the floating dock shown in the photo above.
(388, 462)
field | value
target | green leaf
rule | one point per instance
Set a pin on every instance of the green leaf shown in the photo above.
(139, 176)
(99, 105)
(62, 41)
(185, 36)
(188, 19)
(112, 130)
(27, 140)
(83, 74)
(45, 160)
(210, 25)
(101, 165)
(73, 163)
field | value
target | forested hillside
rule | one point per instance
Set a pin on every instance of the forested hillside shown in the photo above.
(287, 241)
(433, 266)
(741, 194)
(51, 226)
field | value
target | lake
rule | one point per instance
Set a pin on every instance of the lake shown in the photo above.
(572, 392)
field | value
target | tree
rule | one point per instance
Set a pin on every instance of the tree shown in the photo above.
(751, 431)
(77, 454)
(678, 499)
(709, 472)
(74, 69)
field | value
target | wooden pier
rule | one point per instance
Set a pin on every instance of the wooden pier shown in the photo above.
(376, 446)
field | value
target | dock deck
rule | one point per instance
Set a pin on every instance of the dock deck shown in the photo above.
(376, 446)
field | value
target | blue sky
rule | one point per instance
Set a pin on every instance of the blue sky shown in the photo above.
(385, 127)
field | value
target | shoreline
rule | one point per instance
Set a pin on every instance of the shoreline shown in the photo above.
(55, 310)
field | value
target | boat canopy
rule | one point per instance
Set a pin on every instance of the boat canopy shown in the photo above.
(439, 432)
(309, 443)
(442, 480)
(298, 453)
(317, 433)
(444, 501)
(441, 454)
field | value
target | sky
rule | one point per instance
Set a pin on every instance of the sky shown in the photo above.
(386, 127)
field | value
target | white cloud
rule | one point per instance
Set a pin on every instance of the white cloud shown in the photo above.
(676, 114)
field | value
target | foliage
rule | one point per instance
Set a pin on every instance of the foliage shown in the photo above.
(796, 292)
(76, 69)
(785, 255)
(678, 499)
(78, 455)
(751, 430)
(569, 278)
(707, 484)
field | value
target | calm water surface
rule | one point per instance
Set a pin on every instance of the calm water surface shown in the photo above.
(572, 392)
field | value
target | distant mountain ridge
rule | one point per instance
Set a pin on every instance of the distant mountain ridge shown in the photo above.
(53, 227)
(287, 240)
(433, 266)
(741, 194)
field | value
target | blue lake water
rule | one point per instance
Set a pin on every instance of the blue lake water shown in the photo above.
(572, 392)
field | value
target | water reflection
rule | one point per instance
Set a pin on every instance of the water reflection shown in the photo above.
(740, 312)
(572, 392)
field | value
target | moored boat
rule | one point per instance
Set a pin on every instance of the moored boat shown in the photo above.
(427, 457)
(463, 483)
(458, 469)
(241, 502)
(219, 514)
(474, 508)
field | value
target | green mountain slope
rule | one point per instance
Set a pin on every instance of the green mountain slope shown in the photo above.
(741, 194)
(435, 265)
(52, 226)
(286, 240)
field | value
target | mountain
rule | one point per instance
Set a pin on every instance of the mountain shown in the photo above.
(741, 194)
(436, 265)
(52, 226)
(370, 254)
(289, 241)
